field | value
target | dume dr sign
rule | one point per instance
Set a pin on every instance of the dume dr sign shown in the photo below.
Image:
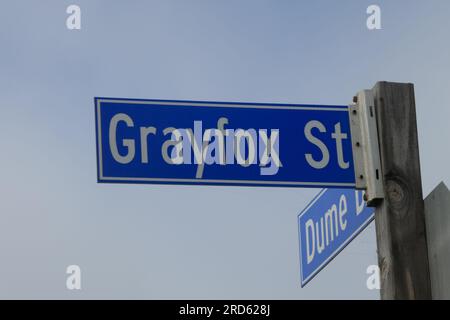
(218, 143)
(327, 225)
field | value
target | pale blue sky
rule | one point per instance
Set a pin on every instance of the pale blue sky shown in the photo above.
(146, 241)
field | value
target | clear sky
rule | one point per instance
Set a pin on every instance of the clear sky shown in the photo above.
(147, 241)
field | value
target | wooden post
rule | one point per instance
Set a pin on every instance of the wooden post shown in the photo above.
(400, 217)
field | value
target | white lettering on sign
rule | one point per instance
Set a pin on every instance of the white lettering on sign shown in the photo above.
(221, 145)
(320, 234)
(211, 146)
(360, 203)
(337, 135)
(128, 143)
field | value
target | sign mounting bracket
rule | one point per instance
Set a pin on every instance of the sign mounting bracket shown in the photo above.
(366, 150)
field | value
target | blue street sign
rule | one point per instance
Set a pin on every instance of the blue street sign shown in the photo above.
(327, 225)
(223, 143)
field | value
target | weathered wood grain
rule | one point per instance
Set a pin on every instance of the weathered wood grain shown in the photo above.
(400, 218)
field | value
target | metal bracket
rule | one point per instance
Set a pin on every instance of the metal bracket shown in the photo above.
(366, 151)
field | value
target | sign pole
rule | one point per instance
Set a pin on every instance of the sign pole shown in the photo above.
(400, 217)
